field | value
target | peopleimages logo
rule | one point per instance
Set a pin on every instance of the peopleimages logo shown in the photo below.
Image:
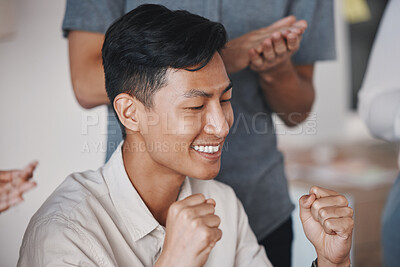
(258, 124)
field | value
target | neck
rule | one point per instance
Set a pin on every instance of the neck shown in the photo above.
(157, 185)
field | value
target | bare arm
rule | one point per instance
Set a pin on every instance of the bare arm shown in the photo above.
(289, 91)
(87, 74)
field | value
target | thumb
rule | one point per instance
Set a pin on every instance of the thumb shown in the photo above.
(305, 203)
(284, 22)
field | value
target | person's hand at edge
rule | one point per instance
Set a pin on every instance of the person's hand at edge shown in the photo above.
(13, 183)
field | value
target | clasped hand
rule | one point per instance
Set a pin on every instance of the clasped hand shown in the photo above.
(264, 49)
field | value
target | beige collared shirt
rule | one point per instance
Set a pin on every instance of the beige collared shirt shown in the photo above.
(97, 218)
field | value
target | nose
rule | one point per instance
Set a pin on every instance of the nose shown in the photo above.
(216, 123)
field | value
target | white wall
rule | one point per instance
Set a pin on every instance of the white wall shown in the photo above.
(39, 116)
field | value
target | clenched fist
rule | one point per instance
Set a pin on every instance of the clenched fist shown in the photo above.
(191, 232)
(328, 224)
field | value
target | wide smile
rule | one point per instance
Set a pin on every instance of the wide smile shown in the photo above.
(210, 152)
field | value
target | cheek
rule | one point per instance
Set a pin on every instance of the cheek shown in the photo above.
(229, 115)
(189, 124)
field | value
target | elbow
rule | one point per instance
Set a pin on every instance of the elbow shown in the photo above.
(84, 99)
(293, 119)
(84, 103)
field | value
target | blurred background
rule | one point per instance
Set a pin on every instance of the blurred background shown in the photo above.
(40, 119)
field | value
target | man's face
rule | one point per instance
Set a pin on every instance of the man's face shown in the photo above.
(185, 130)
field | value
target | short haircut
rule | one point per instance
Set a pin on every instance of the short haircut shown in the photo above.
(141, 45)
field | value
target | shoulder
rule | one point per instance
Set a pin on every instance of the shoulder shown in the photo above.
(73, 196)
(61, 223)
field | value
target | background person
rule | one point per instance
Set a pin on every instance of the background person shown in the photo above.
(379, 107)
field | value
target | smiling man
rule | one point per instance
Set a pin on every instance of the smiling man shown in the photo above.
(170, 91)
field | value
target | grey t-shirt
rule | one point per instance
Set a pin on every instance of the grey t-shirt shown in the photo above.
(251, 162)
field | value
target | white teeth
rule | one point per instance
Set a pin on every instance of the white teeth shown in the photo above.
(207, 149)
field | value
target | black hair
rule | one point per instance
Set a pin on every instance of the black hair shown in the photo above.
(141, 45)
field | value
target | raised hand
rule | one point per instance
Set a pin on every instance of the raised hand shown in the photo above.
(277, 48)
(13, 184)
(192, 232)
(236, 52)
(328, 224)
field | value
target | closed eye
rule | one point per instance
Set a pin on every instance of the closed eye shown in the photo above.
(197, 108)
(226, 100)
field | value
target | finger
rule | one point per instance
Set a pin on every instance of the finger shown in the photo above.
(211, 201)
(305, 203)
(258, 48)
(293, 42)
(5, 176)
(211, 220)
(331, 201)
(322, 192)
(279, 44)
(217, 235)
(178, 206)
(268, 51)
(278, 25)
(255, 58)
(334, 212)
(284, 22)
(343, 227)
(301, 24)
(27, 186)
(284, 32)
(19, 177)
(193, 200)
(28, 170)
(295, 30)
(199, 210)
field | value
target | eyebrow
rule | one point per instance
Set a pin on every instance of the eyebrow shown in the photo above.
(199, 93)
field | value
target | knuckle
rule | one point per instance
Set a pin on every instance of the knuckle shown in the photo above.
(196, 223)
(174, 209)
(187, 214)
(200, 197)
(205, 234)
(328, 224)
(314, 189)
(316, 205)
(322, 213)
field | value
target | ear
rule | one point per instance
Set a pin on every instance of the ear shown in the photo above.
(125, 106)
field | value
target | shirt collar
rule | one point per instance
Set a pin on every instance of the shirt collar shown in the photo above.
(134, 213)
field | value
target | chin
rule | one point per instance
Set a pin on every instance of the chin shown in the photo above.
(205, 174)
